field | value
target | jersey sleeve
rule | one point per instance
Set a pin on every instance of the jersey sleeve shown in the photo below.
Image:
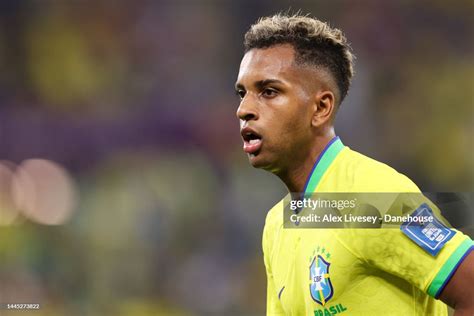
(273, 302)
(393, 251)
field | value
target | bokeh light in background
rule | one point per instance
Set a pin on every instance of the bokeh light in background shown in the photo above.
(38, 189)
(129, 111)
(44, 192)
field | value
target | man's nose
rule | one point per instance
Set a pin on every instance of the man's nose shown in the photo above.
(247, 110)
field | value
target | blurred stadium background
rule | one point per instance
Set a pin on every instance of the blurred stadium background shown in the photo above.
(123, 186)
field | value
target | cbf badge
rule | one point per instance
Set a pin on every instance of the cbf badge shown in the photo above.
(320, 285)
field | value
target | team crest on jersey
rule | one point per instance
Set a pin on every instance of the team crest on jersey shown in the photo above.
(320, 285)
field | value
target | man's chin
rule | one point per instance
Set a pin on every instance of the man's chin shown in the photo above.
(258, 161)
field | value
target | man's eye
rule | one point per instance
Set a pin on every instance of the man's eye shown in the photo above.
(240, 93)
(269, 93)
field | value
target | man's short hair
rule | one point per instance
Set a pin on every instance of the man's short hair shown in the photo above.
(314, 41)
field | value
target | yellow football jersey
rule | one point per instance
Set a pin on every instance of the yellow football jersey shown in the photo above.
(354, 271)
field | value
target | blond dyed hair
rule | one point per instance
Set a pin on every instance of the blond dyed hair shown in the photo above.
(314, 41)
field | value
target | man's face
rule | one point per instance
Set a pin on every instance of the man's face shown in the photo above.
(276, 107)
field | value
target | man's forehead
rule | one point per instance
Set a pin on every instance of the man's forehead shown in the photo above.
(267, 61)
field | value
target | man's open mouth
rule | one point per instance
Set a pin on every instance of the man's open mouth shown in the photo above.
(252, 140)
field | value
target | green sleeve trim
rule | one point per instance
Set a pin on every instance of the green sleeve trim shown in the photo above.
(446, 271)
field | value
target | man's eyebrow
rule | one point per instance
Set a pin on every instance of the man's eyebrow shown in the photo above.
(258, 84)
(239, 86)
(263, 83)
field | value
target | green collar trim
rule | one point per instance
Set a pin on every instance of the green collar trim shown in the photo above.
(327, 156)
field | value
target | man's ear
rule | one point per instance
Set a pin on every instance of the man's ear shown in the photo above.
(324, 108)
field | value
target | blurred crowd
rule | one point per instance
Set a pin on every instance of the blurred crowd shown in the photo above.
(130, 105)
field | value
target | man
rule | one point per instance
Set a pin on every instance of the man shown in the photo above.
(293, 77)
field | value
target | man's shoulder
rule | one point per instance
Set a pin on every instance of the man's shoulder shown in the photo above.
(356, 172)
(275, 215)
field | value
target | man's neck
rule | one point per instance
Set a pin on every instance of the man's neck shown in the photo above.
(296, 176)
